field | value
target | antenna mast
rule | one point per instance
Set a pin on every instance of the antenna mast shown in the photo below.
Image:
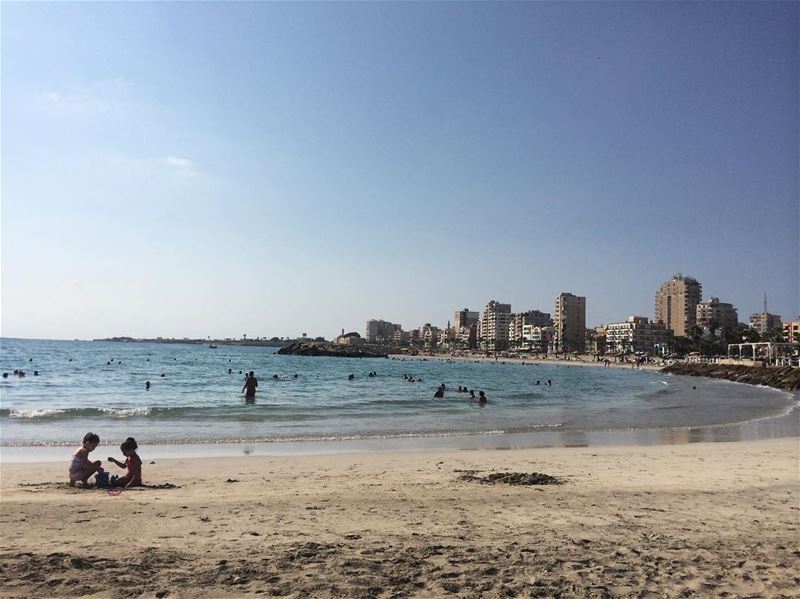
(765, 302)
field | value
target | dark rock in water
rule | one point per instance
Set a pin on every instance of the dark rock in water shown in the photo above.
(780, 377)
(320, 348)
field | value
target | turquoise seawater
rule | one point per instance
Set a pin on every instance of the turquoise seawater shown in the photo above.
(100, 387)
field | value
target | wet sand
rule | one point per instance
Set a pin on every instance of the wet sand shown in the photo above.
(705, 519)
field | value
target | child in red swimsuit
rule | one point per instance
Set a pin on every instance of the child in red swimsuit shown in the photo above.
(133, 464)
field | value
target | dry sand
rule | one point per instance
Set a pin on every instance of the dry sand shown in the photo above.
(677, 520)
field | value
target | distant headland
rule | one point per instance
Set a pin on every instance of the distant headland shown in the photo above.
(212, 343)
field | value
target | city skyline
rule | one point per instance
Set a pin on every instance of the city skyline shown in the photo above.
(219, 169)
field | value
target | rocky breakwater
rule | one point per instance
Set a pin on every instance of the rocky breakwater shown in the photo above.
(786, 378)
(318, 348)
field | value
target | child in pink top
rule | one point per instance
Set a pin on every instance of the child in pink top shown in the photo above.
(80, 468)
(133, 464)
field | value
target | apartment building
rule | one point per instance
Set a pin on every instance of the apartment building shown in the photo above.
(537, 338)
(533, 318)
(429, 335)
(379, 331)
(791, 331)
(465, 319)
(495, 326)
(636, 334)
(716, 315)
(569, 323)
(400, 337)
(763, 322)
(676, 304)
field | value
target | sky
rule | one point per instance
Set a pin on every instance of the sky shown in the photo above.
(272, 169)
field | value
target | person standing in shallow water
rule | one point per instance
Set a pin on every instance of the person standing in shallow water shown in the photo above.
(250, 384)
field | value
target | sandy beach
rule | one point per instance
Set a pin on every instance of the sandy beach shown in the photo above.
(700, 519)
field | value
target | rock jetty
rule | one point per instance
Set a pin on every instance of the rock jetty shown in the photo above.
(319, 348)
(786, 378)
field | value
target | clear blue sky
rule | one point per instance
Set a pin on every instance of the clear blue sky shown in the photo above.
(194, 169)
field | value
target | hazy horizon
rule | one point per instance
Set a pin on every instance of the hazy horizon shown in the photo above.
(273, 169)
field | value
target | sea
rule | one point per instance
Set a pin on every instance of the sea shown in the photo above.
(195, 406)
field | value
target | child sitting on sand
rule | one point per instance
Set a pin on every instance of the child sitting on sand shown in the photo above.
(80, 468)
(133, 464)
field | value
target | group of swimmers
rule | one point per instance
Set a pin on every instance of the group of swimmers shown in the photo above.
(481, 398)
(81, 467)
(20, 373)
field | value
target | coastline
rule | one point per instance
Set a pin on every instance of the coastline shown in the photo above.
(705, 518)
(531, 361)
(782, 426)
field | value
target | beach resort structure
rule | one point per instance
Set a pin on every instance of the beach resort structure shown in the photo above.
(495, 326)
(636, 334)
(715, 315)
(676, 304)
(569, 323)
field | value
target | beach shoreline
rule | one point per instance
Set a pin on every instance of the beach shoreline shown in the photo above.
(577, 361)
(667, 520)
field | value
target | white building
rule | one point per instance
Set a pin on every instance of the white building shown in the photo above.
(637, 333)
(537, 338)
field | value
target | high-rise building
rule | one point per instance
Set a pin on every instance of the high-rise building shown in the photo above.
(718, 315)
(570, 323)
(495, 325)
(676, 304)
(380, 330)
(764, 322)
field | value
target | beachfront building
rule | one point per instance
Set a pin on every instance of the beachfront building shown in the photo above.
(763, 322)
(467, 337)
(465, 328)
(465, 319)
(596, 340)
(636, 334)
(536, 338)
(676, 304)
(400, 337)
(714, 315)
(569, 323)
(495, 325)
(380, 331)
(532, 318)
(429, 335)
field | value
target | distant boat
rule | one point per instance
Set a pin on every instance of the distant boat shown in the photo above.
(212, 346)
